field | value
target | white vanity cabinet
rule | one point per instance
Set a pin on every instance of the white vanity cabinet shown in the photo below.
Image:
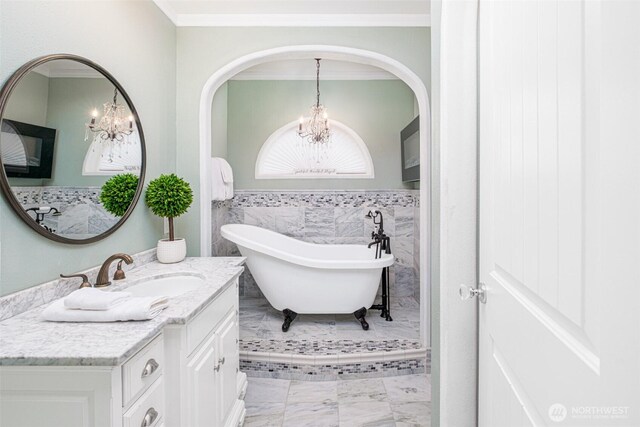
(130, 395)
(205, 352)
(187, 376)
(212, 376)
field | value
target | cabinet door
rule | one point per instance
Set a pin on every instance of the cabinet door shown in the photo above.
(37, 396)
(226, 335)
(202, 402)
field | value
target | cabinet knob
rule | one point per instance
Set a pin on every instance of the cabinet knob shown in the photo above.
(149, 417)
(149, 368)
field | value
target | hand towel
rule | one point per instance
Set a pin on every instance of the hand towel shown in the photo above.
(227, 178)
(225, 169)
(134, 308)
(217, 184)
(221, 179)
(94, 299)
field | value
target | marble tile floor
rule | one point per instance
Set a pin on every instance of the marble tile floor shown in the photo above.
(258, 320)
(402, 401)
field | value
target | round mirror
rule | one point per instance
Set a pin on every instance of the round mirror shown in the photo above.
(72, 149)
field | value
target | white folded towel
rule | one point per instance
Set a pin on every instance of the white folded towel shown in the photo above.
(227, 178)
(134, 308)
(94, 299)
(227, 172)
(221, 179)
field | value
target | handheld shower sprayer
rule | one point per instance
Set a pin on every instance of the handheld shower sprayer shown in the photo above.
(378, 224)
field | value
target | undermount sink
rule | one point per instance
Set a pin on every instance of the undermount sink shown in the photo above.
(170, 286)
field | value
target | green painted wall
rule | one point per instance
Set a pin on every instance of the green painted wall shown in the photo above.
(219, 122)
(140, 52)
(28, 102)
(375, 109)
(202, 51)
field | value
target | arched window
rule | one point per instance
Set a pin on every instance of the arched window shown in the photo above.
(284, 155)
(111, 158)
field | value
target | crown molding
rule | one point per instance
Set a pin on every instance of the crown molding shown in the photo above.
(292, 20)
(70, 73)
(168, 10)
(304, 20)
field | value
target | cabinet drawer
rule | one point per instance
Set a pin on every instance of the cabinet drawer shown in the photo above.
(147, 411)
(139, 372)
(203, 323)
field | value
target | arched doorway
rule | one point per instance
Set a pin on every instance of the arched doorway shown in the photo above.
(342, 53)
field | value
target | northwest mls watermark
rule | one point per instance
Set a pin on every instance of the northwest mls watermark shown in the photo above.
(558, 412)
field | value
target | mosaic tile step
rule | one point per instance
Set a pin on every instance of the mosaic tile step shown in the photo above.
(325, 347)
(332, 372)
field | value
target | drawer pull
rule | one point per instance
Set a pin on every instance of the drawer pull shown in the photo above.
(220, 363)
(149, 417)
(149, 368)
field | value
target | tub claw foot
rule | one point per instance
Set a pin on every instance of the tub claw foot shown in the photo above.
(289, 317)
(360, 316)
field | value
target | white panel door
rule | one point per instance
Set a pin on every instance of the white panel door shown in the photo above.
(559, 110)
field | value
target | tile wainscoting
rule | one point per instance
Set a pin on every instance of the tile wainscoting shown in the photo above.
(82, 214)
(328, 217)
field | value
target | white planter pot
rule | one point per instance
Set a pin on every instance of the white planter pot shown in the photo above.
(171, 252)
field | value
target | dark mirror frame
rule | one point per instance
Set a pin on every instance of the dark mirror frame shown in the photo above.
(5, 94)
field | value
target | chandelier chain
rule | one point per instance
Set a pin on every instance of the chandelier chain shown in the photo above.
(315, 136)
(317, 82)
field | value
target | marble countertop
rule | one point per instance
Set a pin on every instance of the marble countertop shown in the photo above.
(26, 339)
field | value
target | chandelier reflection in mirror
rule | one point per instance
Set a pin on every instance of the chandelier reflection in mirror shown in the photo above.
(315, 136)
(113, 128)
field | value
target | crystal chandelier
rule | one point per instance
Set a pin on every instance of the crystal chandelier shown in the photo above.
(113, 126)
(316, 130)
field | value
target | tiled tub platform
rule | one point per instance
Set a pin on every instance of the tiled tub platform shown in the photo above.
(330, 347)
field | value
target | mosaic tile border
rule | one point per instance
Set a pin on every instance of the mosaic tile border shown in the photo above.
(54, 194)
(327, 198)
(21, 301)
(325, 347)
(328, 372)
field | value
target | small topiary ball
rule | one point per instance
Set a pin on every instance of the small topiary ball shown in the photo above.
(169, 196)
(118, 193)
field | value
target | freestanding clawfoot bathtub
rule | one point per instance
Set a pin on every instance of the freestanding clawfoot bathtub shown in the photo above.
(300, 277)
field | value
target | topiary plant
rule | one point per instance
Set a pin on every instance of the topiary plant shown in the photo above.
(118, 193)
(169, 196)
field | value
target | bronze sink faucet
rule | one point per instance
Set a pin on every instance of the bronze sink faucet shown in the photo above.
(103, 274)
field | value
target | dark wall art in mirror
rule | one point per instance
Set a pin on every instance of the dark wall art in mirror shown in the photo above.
(72, 149)
(410, 151)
